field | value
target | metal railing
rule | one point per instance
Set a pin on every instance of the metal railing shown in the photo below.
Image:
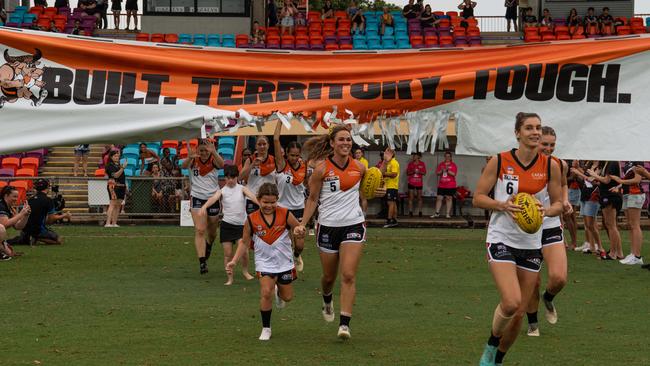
(492, 23)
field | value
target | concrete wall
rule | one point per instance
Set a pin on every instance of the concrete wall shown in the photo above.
(624, 8)
(204, 25)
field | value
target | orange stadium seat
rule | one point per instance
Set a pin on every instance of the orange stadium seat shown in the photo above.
(100, 173)
(25, 172)
(169, 144)
(22, 186)
(157, 37)
(11, 163)
(142, 37)
(431, 41)
(171, 38)
(30, 163)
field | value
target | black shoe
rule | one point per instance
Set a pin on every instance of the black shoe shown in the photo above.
(4, 257)
(645, 266)
(203, 268)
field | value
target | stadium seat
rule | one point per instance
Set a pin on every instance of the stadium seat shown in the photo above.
(7, 172)
(169, 144)
(158, 37)
(100, 173)
(36, 10)
(316, 42)
(563, 37)
(142, 37)
(30, 163)
(214, 40)
(22, 186)
(51, 11)
(155, 146)
(431, 41)
(548, 37)
(43, 23)
(623, 30)
(3, 183)
(417, 41)
(331, 47)
(131, 152)
(273, 41)
(185, 38)
(228, 40)
(274, 31)
(301, 30)
(31, 18)
(346, 46)
(11, 163)
(241, 41)
(302, 43)
(25, 172)
(130, 162)
(129, 172)
(183, 153)
(171, 38)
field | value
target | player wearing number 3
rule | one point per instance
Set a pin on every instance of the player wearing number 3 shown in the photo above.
(514, 256)
(341, 223)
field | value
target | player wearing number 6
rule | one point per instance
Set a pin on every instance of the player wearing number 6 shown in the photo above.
(341, 222)
(514, 256)
(290, 178)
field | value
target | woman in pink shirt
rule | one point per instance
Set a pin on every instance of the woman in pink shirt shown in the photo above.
(415, 172)
(447, 171)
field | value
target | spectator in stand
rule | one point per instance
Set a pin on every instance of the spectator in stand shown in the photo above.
(61, 4)
(386, 20)
(328, 10)
(167, 162)
(606, 22)
(547, 20)
(511, 13)
(633, 199)
(102, 6)
(89, 8)
(81, 156)
(77, 28)
(419, 6)
(147, 158)
(53, 27)
(446, 171)
(529, 19)
(573, 22)
(358, 154)
(131, 11)
(272, 13)
(592, 26)
(3, 12)
(416, 170)
(116, 8)
(287, 13)
(116, 187)
(610, 202)
(356, 18)
(156, 188)
(42, 3)
(410, 10)
(43, 212)
(427, 18)
(10, 217)
(467, 7)
(390, 172)
(258, 36)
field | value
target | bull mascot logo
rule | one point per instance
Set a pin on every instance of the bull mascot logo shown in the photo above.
(18, 76)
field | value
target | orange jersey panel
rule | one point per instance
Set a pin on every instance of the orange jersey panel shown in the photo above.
(267, 166)
(297, 174)
(532, 178)
(348, 176)
(269, 232)
(204, 168)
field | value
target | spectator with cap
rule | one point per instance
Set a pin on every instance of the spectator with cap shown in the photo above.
(43, 212)
(10, 217)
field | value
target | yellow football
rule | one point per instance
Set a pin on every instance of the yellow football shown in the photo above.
(529, 218)
(370, 182)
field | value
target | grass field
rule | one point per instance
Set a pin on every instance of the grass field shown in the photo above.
(133, 296)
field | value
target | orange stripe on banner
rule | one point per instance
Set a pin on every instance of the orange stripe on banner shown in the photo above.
(391, 81)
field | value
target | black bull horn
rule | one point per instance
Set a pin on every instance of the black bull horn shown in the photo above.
(30, 59)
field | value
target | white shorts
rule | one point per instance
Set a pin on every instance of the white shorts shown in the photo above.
(633, 201)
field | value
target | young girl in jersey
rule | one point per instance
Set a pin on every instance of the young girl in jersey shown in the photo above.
(514, 257)
(258, 169)
(334, 189)
(553, 249)
(204, 179)
(290, 179)
(589, 206)
(233, 203)
(633, 199)
(266, 231)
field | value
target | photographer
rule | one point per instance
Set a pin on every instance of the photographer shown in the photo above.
(43, 212)
(10, 216)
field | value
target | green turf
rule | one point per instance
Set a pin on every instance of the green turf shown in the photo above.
(133, 296)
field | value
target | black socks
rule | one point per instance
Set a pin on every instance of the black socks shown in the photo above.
(345, 320)
(532, 318)
(494, 340)
(327, 298)
(266, 318)
(548, 297)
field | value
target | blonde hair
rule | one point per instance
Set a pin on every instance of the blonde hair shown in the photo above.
(318, 148)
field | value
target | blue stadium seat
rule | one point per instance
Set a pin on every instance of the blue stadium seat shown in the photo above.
(128, 172)
(155, 146)
(16, 18)
(400, 27)
(20, 10)
(185, 172)
(131, 152)
(214, 40)
(402, 37)
(388, 43)
(360, 44)
(29, 18)
(228, 40)
(200, 40)
(647, 22)
(389, 31)
(185, 38)
(403, 44)
(172, 151)
(132, 163)
(226, 152)
(227, 141)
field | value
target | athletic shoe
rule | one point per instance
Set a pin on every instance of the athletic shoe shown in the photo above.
(533, 330)
(645, 266)
(550, 313)
(392, 223)
(4, 257)
(300, 265)
(633, 261)
(447, 217)
(266, 334)
(279, 303)
(312, 232)
(489, 354)
(435, 215)
(203, 268)
(344, 332)
(627, 258)
(583, 247)
(328, 311)
(587, 250)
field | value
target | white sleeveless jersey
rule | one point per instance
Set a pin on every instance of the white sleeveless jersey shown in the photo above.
(339, 196)
(271, 242)
(264, 173)
(291, 187)
(204, 178)
(233, 203)
(512, 178)
(551, 222)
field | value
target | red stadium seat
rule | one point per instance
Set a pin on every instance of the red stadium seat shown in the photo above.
(3, 183)
(578, 36)
(315, 40)
(331, 47)
(273, 41)
(25, 172)
(329, 32)
(431, 41)
(329, 22)
(37, 10)
(22, 186)
(563, 37)
(158, 38)
(183, 153)
(100, 173)
(171, 38)
(272, 31)
(459, 32)
(43, 23)
(30, 163)
(452, 14)
(169, 144)
(301, 30)
(143, 37)
(51, 11)
(623, 30)
(548, 37)
(417, 41)
(241, 40)
(346, 46)
(561, 29)
(11, 163)
(446, 41)
(340, 14)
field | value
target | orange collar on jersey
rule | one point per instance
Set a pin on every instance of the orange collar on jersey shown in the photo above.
(298, 174)
(204, 168)
(269, 232)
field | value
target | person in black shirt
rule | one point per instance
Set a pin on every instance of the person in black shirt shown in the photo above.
(410, 10)
(43, 212)
(511, 12)
(591, 21)
(116, 187)
(606, 22)
(610, 203)
(529, 19)
(427, 18)
(9, 217)
(467, 6)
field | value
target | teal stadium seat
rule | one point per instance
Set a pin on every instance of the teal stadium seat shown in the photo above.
(214, 40)
(228, 40)
(185, 38)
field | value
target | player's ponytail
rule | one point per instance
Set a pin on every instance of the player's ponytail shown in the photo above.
(318, 148)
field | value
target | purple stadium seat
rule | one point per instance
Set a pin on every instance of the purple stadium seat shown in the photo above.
(6, 172)
(318, 47)
(345, 40)
(429, 31)
(12, 24)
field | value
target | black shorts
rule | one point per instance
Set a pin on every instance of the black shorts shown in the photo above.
(251, 207)
(446, 192)
(329, 238)
(552, 236)
(298, 213)
(131, 5)
(213, 210)
(28, 239)
(230, 233)
(528, 259)
(613, 200)
(511, 13)
(414, 188)
(284, 278)
(117, 193)
(391, 194)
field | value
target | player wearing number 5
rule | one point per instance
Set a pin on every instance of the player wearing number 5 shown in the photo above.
(257, 170)
(341, 229)
(514, 256)
(204, 165)
(290, 179)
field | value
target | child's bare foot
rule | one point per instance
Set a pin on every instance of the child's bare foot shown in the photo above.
(247, 275)
(229, 282)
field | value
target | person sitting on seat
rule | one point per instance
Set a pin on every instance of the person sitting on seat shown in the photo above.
(10, 217)
(529, 19)
(591, 22)
(386, 20)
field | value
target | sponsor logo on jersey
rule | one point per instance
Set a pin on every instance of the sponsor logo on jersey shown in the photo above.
(539, 176)
(536, 261)
(510, 170)
(556, 237)
(260, 233)
(510, 177)
(356, 236)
